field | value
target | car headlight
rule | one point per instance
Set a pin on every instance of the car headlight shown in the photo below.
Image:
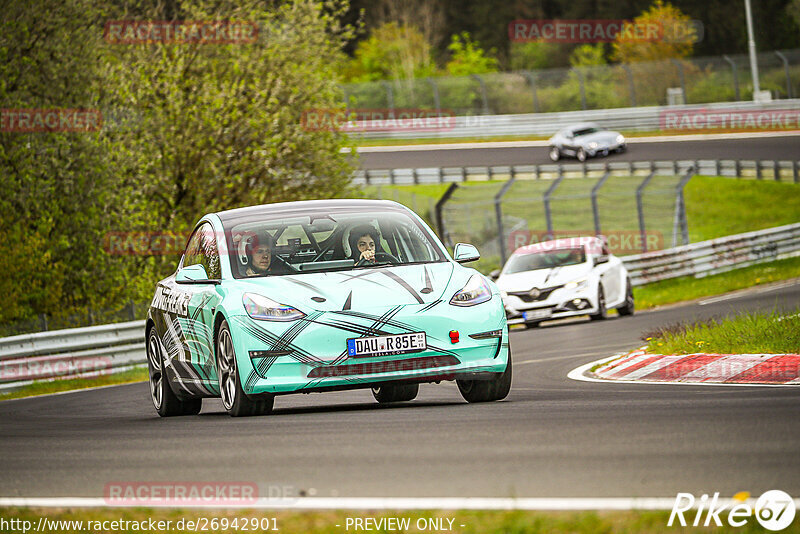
(503, 295)
(475, 292)
(620, 139)
(593, 145)
(265, 309)
(577, 284)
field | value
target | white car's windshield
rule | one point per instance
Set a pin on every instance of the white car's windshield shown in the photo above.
(319, 241)
(587, 131)
(545, 259)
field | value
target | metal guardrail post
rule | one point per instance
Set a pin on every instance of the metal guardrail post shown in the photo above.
(389, 95)
(582, 88)
(786, 70)
(738, 167)
(640, 207)
(483, 93)
(735, 76)
(680, 210)
(546, 199)
(595, 209)
(794, 172)
(632, 87)
(683, 79)
(498, 211)
(439, 206)
(758, 169)
(531, 77)
(776, 170)
(435, 88)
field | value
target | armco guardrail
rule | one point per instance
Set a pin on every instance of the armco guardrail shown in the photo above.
(638, 119)
(785, 170)
(108, 348)
(71, 353)
(715, 256)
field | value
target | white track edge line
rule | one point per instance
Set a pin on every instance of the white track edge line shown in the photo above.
(385, 503)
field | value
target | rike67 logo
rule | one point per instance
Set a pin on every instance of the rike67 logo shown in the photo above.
(774, 510)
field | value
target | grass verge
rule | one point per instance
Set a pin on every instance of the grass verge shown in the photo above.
(43, 387)
(689, 288)
(483, 522)
(749, 333)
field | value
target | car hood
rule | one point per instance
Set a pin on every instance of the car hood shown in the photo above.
(602, 138)
(357, 289)
(542, 278)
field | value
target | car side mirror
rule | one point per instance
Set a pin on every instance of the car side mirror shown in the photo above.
(601, 259)
(464, 253)
(194, 274)
(494, 275)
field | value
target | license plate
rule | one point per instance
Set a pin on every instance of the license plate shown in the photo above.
(387, 345)
(536, 314)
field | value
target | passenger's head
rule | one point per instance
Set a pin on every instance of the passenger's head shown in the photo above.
(259, 253)
(362, 238)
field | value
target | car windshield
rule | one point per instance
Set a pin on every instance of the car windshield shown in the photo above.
(587, 131)
(545, 259)
(275, 245)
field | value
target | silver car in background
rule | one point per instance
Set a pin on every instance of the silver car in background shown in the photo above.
(585, 140)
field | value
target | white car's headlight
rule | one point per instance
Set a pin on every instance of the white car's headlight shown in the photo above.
(503, 295)
(593, 145)
(475, 292)
(266, 309)
(577, 284)
(620, 139)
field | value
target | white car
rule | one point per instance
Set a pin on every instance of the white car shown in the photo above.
(564, 278)
(585, 140)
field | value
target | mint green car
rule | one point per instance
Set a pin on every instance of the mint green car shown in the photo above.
(320, 296)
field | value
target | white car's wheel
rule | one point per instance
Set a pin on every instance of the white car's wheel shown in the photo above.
(555, 153)
(628, 307)
(166, 403)
(602, 311)
(581, 155)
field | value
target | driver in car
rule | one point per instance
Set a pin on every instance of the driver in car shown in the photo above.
(364, 243)
(260, 258)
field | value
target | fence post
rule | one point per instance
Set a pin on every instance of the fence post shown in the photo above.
(680, 223)
(483, 93)
(630, 83)
(583, 89)
(389, 95)
(735, 76)
(498, 210)
(683, 80)
(439, 206)
(546, 198)
(531, 77)
(391, 176)
(132, 308)
(794, 172)
(776, 170)
(786, 70)
(640, 207)
(43, 322)
(595, 210)
(758, 169)
(435, 94)
(738, 168)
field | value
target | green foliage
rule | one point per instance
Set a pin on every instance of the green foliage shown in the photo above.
(467, 57)
(391, 52)
(533, 55)
(588, 56)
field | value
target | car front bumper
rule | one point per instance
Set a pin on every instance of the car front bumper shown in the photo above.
(558, 304)
(310, 354)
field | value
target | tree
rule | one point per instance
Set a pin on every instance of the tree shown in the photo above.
(392, 52)
(675, 36)
(467, 57)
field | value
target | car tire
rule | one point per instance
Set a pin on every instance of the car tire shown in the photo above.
(487, 390)
(395, 393)
(602, 312)
(581, 155)
(166, 403)
(622, 149)
(533, 324)
(629, 306)
(555, 153)
(234, 400)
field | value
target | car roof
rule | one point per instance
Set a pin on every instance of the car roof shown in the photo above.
(290, 209)
(563, 242)
(581, 126)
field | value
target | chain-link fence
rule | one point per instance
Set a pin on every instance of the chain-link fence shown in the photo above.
(636, 212)
(653, 83)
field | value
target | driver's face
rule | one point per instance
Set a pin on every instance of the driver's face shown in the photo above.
(365, 242)
(262, 257)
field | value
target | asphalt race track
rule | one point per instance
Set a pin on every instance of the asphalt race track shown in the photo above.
(552, 437)
(761, 148)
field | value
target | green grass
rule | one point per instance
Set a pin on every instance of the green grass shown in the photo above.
(43, 387)
(475, 522)
(689, 288)
(749, 333)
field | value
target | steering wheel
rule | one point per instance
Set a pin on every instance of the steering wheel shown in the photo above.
(387, 257)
